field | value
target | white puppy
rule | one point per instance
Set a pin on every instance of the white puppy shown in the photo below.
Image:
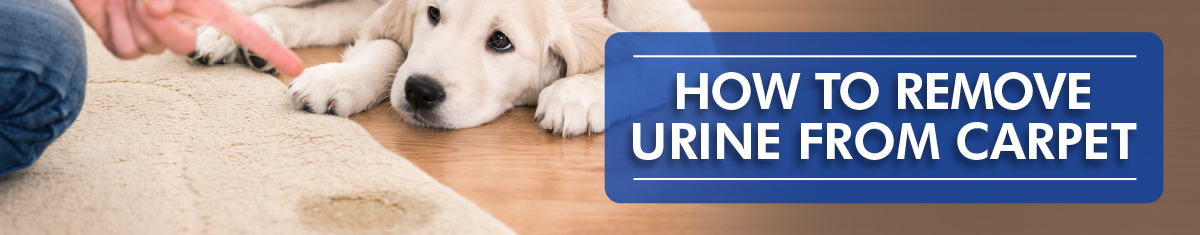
(455, 63)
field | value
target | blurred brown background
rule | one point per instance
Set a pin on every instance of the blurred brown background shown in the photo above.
(538, 183)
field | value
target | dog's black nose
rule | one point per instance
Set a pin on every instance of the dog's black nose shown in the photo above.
(422, 92)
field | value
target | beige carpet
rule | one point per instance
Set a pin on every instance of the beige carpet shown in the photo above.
(165, 147)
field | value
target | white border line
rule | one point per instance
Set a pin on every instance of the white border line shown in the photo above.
(884, 56)
(901, 179)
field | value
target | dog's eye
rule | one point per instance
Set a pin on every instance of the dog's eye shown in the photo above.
(499, 41)
(434, 15)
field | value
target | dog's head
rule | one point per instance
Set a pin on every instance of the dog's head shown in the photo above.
(468, 61)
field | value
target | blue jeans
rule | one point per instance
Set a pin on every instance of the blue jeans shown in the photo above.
(43, 69)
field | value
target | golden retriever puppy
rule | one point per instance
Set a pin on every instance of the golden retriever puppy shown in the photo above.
(455, 63)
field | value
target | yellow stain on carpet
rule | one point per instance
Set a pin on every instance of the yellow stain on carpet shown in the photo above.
(371, 211)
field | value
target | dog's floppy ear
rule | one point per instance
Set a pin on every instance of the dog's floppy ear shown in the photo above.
(394, 20)
(577, 32)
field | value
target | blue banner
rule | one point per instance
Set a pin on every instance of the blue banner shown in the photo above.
(884, 118)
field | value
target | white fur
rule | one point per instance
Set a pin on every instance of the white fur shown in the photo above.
(325, 86)
(557, 62)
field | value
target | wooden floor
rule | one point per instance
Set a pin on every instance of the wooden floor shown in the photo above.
(539, 183)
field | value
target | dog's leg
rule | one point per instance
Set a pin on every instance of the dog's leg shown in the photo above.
(251, 6)
(362, 79)
(573, 105)
(656, 16)
(326, 24)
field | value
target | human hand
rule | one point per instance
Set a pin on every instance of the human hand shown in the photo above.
(132, 28)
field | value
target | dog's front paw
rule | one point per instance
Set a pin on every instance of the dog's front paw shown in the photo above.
(331, 89)
(214, 48)
(572, 106)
